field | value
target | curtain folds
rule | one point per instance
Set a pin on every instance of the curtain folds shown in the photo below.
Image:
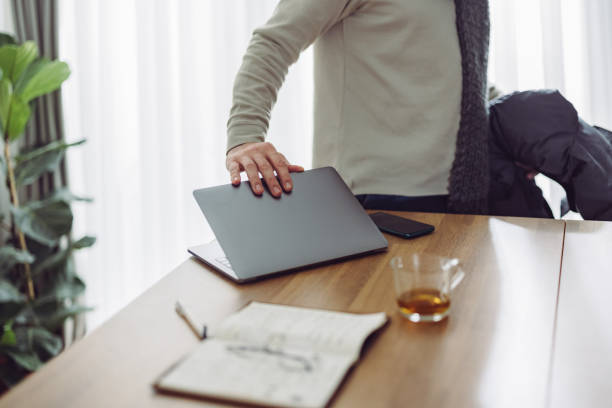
(36, 20)
(151, 91)
(560, 44)
(598, 15)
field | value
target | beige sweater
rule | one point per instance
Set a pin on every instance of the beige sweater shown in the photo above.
(387, 88)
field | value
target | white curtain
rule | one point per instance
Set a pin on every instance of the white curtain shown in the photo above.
(151, 91)
(6, 18)
(560, 44)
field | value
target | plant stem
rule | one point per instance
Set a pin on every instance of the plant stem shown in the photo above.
(15, 201)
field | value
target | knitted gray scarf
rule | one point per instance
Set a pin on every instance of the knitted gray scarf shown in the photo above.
(469, 177)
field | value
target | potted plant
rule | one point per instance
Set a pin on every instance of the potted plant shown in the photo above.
(38, 283)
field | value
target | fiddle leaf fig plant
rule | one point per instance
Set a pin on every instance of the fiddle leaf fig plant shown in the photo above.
(38, 282)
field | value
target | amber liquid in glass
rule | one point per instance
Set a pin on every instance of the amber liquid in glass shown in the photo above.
(424, 304)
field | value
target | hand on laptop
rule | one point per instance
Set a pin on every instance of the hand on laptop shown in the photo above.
(261, 157)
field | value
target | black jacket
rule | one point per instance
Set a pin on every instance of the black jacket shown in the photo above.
(542, 130)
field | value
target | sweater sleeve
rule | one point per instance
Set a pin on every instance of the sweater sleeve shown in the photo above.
(294, 26)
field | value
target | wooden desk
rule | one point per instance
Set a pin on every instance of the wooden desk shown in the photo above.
(582, 364)
(494, 350)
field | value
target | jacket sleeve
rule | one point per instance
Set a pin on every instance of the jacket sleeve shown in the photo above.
(294, 26)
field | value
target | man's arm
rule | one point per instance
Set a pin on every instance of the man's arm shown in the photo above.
(273, 48)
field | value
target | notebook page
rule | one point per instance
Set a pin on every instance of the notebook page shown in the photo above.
(310, 329)
(252, 374)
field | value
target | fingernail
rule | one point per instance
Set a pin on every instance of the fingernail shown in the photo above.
(236, 179)
(288, 186)
(258, 188)
(276, 190)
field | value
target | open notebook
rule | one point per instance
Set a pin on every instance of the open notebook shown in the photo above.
(274, 355)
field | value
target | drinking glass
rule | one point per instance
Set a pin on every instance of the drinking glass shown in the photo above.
(423, 285)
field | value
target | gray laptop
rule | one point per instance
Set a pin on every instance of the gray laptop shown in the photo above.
(318, 222)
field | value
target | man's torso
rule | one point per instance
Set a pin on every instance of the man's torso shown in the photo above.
(388, 95)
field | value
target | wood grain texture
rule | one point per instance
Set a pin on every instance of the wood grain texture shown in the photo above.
(582, 363)
(494, 350)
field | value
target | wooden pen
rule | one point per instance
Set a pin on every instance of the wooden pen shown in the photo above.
(182, 312)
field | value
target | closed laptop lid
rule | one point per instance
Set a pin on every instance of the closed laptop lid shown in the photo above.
(319, 221)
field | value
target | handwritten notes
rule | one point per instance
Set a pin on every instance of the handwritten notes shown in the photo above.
(275, 355)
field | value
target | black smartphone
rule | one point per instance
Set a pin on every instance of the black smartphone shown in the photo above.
(402, 227)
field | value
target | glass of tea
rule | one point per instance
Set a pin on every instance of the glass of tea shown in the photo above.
(423, 285)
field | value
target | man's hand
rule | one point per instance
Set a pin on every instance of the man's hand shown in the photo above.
(261, 157)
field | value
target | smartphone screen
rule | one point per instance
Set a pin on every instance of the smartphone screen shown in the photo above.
(400, 226)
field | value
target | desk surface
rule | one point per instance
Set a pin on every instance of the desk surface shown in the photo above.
(494, 350)
(582, 364)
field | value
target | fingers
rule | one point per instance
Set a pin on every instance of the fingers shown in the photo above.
(281, 164)
(234, 170)
(267, 171)
(253, 175)
(261, 157)
(293, 168)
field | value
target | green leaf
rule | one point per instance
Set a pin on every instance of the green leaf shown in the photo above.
(6, 39)
(6, 96)
(41, 77)
(30, 171)
(8, 57)
(12, 310)
(26, 54)
(56, 319)
(63, 194)
(10, 256)
(44, 221)
(62, 290)
(58, 259)
(84, 242)
(40, 251)
(71, 289)
(18, 118)
(54, 261)
(13, 302)
(44, 340)
(9, 374)
(26, 359)
(44, 150)
(8, 335)
(32, 165)
(9, 293)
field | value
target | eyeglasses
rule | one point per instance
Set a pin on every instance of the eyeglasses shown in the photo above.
(287, 361)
